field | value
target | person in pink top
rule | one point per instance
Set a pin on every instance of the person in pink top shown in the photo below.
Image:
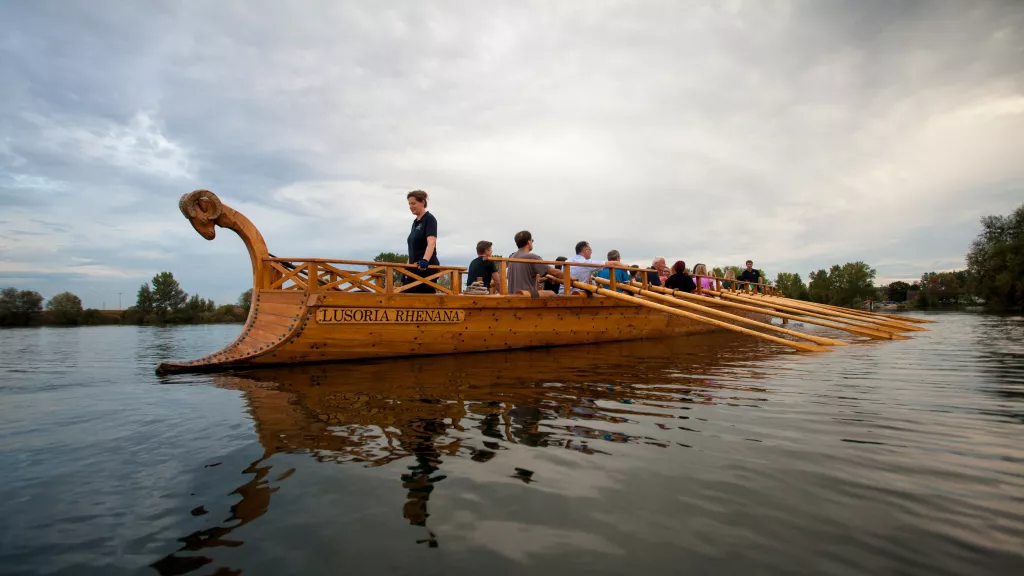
(704, 283)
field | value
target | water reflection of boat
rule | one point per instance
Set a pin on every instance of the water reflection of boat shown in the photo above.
(419, 409)
(309, 310)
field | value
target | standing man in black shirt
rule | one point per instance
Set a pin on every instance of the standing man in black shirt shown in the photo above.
(422, 240)
(482, 269)
(751, 275)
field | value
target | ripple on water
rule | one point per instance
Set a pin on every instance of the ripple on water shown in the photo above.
(710, 454)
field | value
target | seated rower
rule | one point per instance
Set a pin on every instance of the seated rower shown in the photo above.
(482, 269)
(620, 274)
(583, 273)
(554, 285)
(730, 278)
(680, 280)
(660, 273)
(700, 271)
(523, 276)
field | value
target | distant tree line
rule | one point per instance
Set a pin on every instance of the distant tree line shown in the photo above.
(25, 308)
(994, 274)
(847, 285)
(166, 303)
(162, 303)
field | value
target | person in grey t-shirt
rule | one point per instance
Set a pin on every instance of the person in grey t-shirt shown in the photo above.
(523, 276)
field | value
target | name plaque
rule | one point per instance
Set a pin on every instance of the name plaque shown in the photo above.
(389, 316)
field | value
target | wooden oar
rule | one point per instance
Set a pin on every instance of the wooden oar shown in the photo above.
(879, 315)
(894, 332)
(733, 317)
(860, 315)
(803, 347)
(799, 307)
(913, 319)
(757, 307)
(813, 307)
(898, 317)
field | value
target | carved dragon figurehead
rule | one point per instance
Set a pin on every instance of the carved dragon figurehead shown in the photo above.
(202, 208)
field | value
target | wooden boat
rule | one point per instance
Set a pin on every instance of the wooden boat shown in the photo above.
(314, 310)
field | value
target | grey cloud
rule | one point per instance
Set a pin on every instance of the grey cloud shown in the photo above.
(52, 226)
(797, 133)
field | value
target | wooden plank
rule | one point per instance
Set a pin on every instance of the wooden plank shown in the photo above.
(267, 334)
(278, 297)
(265, 318)
(287, 310)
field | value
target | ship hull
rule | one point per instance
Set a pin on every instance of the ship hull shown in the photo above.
(289, 327)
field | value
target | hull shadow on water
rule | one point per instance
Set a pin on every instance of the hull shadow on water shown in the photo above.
(380, 412)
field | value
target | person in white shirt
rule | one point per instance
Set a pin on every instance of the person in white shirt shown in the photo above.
(583, 273)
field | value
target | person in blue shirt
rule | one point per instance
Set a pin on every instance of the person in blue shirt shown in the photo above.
(621, 275)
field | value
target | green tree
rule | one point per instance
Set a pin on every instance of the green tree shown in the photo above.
(93, 317)
(792, 285)
(144, 300)
(940, 289)
(394, 258)
(995, 261)
(736, 270)
(897, 291)
(851, 283)
(192, 310)
(64, 309)
(19, 307)
(168, 296)
(245, 300)
(820, 287)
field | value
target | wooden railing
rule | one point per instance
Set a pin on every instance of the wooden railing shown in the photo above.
(566, 268)
(755, 287)
(294, 274)
(325, 275)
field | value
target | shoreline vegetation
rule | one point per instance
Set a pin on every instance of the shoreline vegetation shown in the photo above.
(160, 304)
(994, 278)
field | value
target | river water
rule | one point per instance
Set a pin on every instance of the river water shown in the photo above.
(712, 454)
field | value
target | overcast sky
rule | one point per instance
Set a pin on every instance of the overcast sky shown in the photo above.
(798, 134)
